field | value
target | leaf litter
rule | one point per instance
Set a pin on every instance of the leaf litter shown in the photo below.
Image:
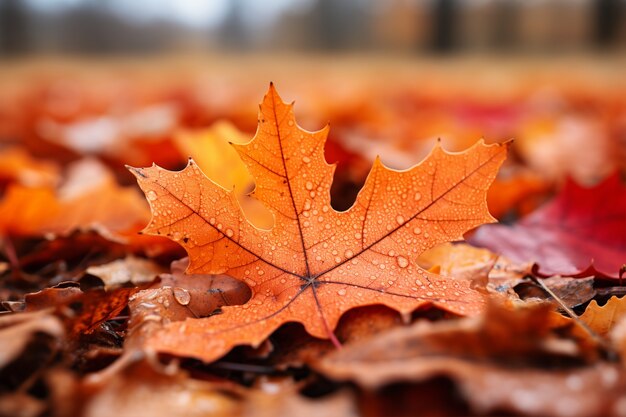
(104, 316)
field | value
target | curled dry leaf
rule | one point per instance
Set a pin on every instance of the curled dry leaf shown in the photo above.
(179, 296)
(51, 297)
(521, 361)
(483, 268)
(316, 263)
(580, 231)
(128, 270)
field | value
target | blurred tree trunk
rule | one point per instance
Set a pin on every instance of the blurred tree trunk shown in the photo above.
(13, 27)
(505, 25)
(607, 21)
(444, 25)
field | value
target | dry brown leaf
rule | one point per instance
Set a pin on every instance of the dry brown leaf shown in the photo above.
(124, 271)
(17, 332)
(140, 390)
(511, 361)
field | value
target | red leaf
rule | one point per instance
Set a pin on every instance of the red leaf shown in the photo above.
(580, 232)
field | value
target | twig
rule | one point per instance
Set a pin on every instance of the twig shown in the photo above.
(612, 354)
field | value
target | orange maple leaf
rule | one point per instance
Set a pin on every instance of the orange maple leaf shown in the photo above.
(316, 263)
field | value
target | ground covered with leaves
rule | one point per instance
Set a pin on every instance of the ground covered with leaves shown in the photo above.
(407, 259)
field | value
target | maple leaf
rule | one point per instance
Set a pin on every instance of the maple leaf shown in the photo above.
(580, 232)
(316, 263)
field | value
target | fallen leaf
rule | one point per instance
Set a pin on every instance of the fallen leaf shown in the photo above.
(211, 149)
(508, 361)
(142, 390)
(179, 296)
(518, 191)
(550, 144)
(571, 291)
(96, 307)
(17, 165)
(17, 332)
(128, 270)
(479, 266)
(601, 319)
(580, 231)
(51, 297)
(219, 161)
(294, 348)
(316, 263)
(90, 198)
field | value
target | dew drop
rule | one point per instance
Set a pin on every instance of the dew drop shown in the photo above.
(337, 259)
(417, 196)
(309, 185)
(151, 195)
(290, 122)
(417, 230)
(342, 291)
(182, 296)
(400, 220)
(348, 254)
(260, 272)
(229, 232)
(382, 266)
(402, 261)
(306, 159)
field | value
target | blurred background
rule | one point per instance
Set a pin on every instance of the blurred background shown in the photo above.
(408, 26)
(143, 81)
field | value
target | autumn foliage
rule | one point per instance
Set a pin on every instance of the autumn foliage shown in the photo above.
(342, 271)
(315, 263)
